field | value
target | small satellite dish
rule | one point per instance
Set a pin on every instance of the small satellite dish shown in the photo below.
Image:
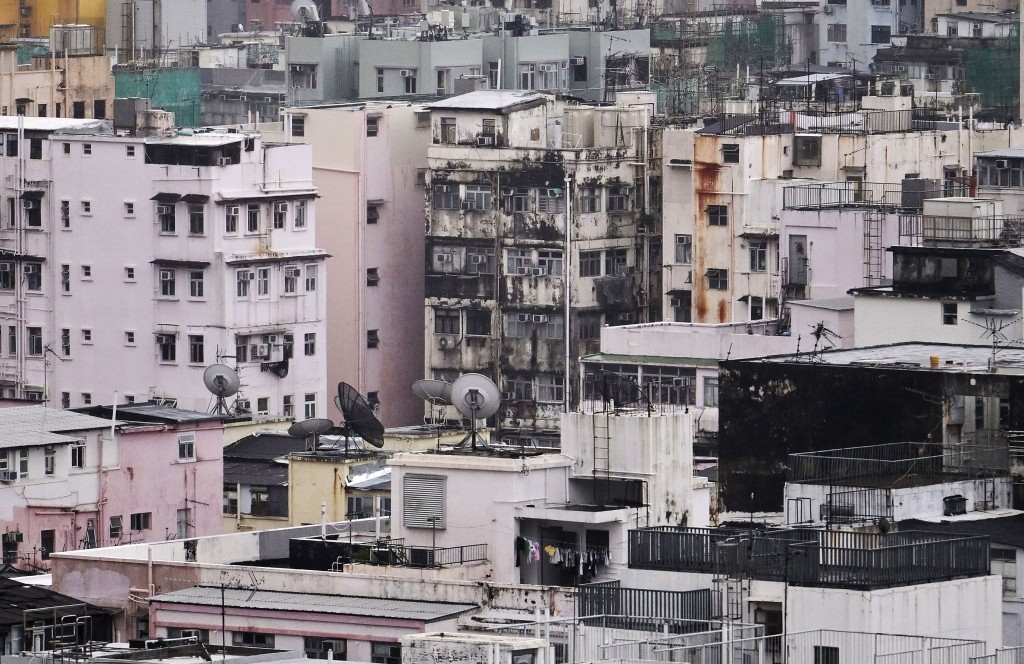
(359, 417)
(433, 390)
(476, 397)
(306, 11)
(311, 430)
(222, 381)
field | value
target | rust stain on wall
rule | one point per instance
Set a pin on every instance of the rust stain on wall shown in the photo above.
(707, 179)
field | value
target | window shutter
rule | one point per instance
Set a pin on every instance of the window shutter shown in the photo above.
(423, 497)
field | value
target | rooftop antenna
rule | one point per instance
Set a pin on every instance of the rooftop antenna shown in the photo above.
(222, 381)
(823, 339)
(359, 417)
(476, 397)
(996, 320)
(311, 430)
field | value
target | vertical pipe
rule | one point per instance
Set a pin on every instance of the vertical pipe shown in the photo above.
(566, 277)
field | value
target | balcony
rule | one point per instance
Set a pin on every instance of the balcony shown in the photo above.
(909, 194)
(817, 558)
(987, 231)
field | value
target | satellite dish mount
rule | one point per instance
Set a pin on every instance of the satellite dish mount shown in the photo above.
(222, 382)
(477, 397)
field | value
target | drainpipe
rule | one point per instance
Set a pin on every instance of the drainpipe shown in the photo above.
(566, 278)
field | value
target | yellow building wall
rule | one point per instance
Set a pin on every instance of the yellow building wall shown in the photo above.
(41, 14)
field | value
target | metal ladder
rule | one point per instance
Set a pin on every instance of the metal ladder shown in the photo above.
(602, 445)
(873, 248)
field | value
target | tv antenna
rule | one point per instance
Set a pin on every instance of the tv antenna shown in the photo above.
(995, 321)
(311, 430)
(222, 381)
(824, 339)
(477, 397)
(359, 417)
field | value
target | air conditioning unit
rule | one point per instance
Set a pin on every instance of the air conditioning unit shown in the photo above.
(292, 272)
(547, 68)
(827, 10)
(421, 557)
(930, 77)
(900, 69)
(223, 161)
(538, 271)
(263, 350)
(443, 258)
(406, 73)
(577, 60)
(676, 302)
(1002, 163)
(446, 343)
(14, 537)
(6, 266)
(540, 318)
(30, 205)
(477, 259)
(248, 276)
(485, 140)
(624, 318)
(8, 475)
(523, 318)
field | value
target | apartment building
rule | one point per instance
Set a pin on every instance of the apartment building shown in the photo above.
(216, 262)
(78, 86)
(507, 171)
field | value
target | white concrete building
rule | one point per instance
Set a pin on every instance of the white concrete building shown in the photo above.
(215, 261)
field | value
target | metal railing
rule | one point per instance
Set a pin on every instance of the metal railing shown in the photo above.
(417, 556)
(856, 505)
(894, 465)
(812, 557)
(994, 231)
(643, 605)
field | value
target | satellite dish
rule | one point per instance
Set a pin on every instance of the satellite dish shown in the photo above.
(222, 381)
(305, 11)
(433, 390)
(310, 430)
(476, 397)
(359, 417)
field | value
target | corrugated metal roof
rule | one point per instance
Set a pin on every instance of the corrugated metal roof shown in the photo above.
(24, 426)
(310, 602)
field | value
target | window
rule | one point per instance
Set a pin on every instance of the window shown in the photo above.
(975, 28)
(758, 255)
(129, 274)
(263, 282)
(242, 278)
(550, 201)
(380, 79)
(590, 263)
(65, 278)
(449, 132)
(116, 527)
(252, 218)
(949, 313)
(550, 262)
(518, 200)
(7, 275)
(50, 460)
(550, 389)
(287, 406)
(309, 344)
(372, 127)
(730, 153)
(423, 501)
(718, 278)
(807, 150)
(47, 541)
(167, 286)
(300, 214)
(616, 262)
(372, 338)
(618, 199)
(480, 260)
(447, 321)
(410, 82)
(35, 340)
(684, 248)
(12, 340)
(129, 151)
(23, 463)
(517, 389)
(291, 279)
(196, 348)
(372, 276)
(711, 391)
(129, 209)
(86, 336)
(590, 199)
(446, 197)
(253, 639)
(836, 33)
(66, 147)
(280, 214)
(86, 272)
(65, 342)
(478, 322)
(880, 34)
(372, 214)
(141, 521)
(65, 214)
(1004, 563)
(165, 217)
(186, 446)
(287, 346)
(826, 655)
(168, 346)
(231, 219)
(320, 648)
(310, 278)
(718, 215)
(35, 148)
(588, 327)
(33, 276)
(309, 405)
(478, 197)
(298, 125)
(78, 454)
(263, 406)
(196, 219)
(195, 283)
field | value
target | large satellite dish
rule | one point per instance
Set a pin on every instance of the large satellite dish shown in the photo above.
(311, 430)
(305, 11)
(476, 397)
(434, 391)
(359, 417)
(222, 381)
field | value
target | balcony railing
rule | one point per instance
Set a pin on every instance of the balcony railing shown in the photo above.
(993, 231)
(897, 465)
(907, 195)
(822, 558)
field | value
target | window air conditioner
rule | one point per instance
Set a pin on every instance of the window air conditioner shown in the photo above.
(8, 475)
(223, 161)
(30, 205)
(676, 302)
(485, 140)
(405, 73)
(1002, 163)
(263, 350)
(540, 318)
